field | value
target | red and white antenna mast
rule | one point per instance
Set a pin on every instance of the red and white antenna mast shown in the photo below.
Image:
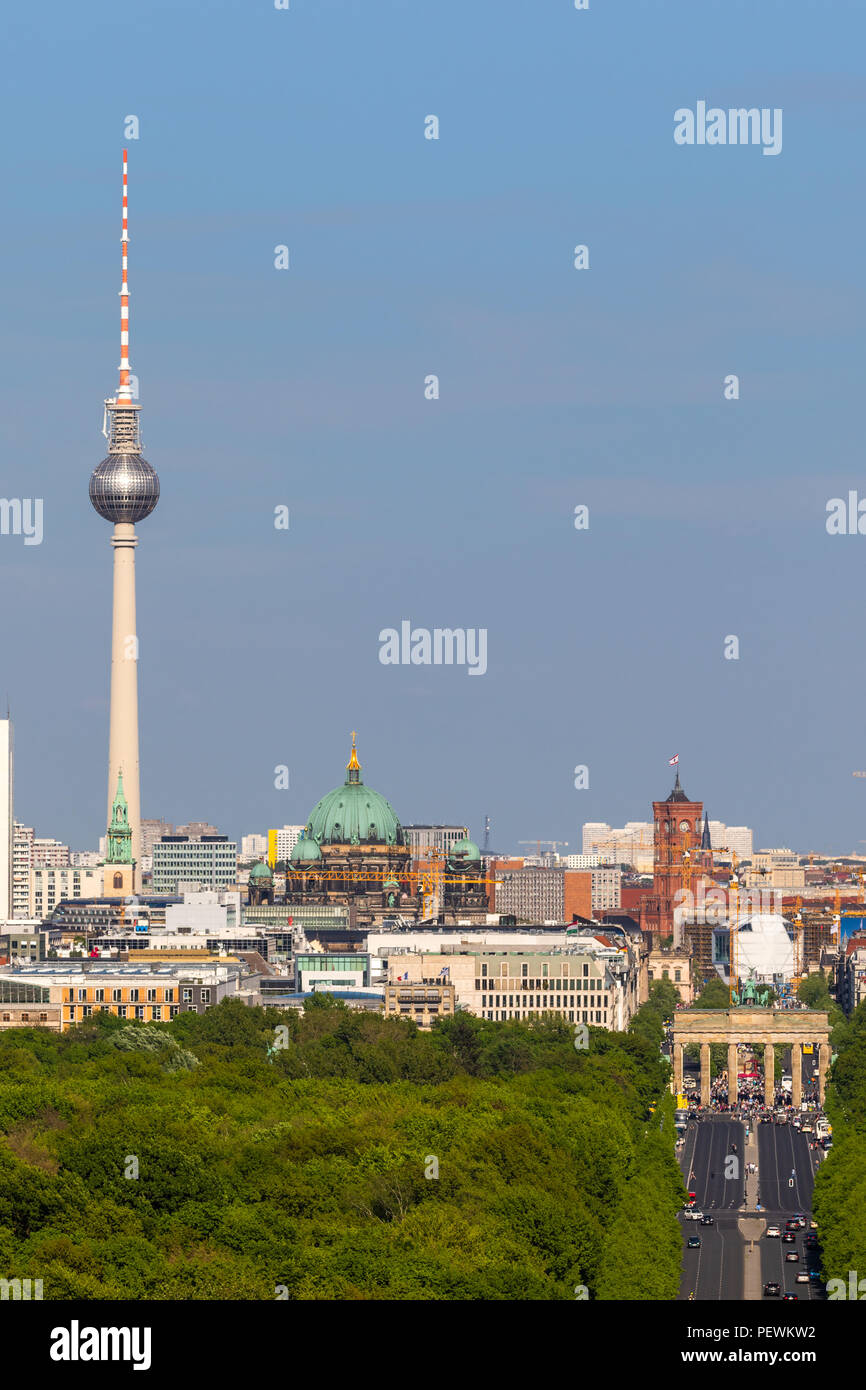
(124, 393)
(120, 423)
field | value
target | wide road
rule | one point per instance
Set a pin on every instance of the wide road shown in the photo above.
(715, 1271)
(786, 1173)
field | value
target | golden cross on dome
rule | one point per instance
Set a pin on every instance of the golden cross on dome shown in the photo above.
(353, 765)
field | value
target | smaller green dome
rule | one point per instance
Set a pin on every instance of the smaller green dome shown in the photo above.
(392, 883)
(261, 871)
(464, 849)
(305, 851)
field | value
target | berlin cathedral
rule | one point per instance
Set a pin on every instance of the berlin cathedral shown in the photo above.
(354, 852)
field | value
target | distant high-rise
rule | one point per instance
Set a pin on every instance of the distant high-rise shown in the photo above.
(22, 862)
(124, 489)
(151, 831)
(421, 838)
(6, 819)
(256, 846)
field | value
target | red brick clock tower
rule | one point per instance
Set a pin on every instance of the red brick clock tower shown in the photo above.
(677, 827)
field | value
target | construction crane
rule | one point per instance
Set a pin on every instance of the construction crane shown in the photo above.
(485, 846)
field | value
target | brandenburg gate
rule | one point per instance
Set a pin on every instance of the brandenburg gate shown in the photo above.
(767, 1027)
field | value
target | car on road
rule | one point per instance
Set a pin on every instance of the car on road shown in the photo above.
(814, 1276)
(707, 1221)
(792, 1257)
(772, 1290)
(773, 1231)
(788, 1237)
(692, 1214)
(694, 1242)
(800, 1220)
(790, 1298)
(802, 1277)
(810, 1241)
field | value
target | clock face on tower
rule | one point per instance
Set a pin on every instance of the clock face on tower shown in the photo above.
(684, 825)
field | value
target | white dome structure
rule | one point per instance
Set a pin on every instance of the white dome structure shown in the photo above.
(765, 946)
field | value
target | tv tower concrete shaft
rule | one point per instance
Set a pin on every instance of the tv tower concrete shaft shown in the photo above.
(124, 489)
(123, 732)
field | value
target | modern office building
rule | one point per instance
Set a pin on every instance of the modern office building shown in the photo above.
(148, 993)
(549, 895)
(153, 830)
(317, 970)
(738, 839)
(606, 890)
(590, 982)
(280, 844)
(211, 861)
(254, 847)
(776, 868)
(24, 945)
(422, 838)
(50, 886)
(22, 862)
(50, 853)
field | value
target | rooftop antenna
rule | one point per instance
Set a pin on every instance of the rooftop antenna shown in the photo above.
(486, 845)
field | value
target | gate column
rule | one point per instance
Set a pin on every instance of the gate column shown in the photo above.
(732, 1074)
(705, 1074)
(769, 1074)
(796, 1075)
(678, 1067)
(823, 1064)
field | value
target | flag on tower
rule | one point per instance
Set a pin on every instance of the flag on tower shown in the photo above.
(672, 762)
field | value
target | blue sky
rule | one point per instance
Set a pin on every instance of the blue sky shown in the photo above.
(305, 388)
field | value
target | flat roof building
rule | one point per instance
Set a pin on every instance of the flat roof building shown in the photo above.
(211, 861)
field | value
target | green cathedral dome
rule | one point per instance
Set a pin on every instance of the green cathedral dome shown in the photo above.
(261, 871)
(464, 850)
(354, 814)
(305, 851)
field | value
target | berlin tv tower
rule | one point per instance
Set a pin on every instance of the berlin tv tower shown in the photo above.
(124, 489)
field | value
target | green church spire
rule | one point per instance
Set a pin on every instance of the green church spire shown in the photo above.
(119, 830)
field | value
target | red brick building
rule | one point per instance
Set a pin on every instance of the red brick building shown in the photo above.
(677, 832)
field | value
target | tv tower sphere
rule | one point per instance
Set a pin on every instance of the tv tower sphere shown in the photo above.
(124, 487)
